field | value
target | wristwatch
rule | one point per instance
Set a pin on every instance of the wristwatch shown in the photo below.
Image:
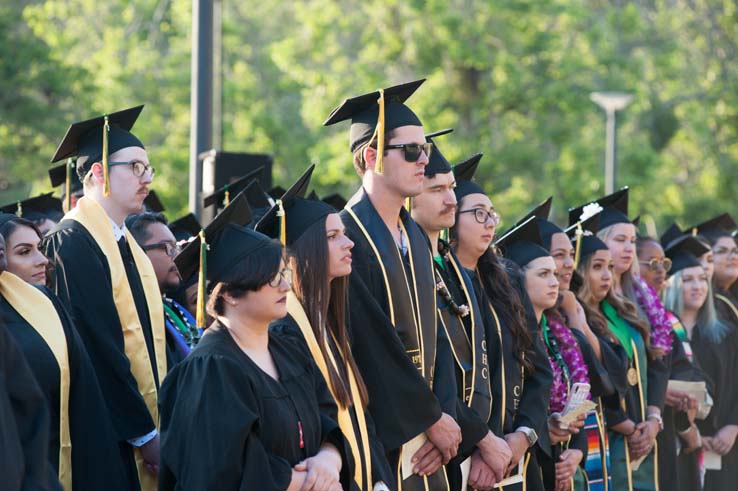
(529, 433)
(658, 419)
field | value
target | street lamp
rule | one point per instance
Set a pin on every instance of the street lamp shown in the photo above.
(611, 102)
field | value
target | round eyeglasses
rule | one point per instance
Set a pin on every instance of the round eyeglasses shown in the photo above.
(481, 215)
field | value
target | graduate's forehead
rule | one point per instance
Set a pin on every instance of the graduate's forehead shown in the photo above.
(408, 134)
(130, 154)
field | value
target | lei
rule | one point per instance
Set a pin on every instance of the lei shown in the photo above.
(657, 316)
(565, 358)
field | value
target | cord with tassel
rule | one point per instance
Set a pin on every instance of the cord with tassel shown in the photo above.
(68, 185)
(379, 134)
(282, 222)
(201, 279)
(105, 163)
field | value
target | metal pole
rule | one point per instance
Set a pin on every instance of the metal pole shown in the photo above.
(610, 152)
(201, 98)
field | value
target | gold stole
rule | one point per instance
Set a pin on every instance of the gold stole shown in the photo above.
(730, 304)
(294, 308)
(92, 216)
(38, 310)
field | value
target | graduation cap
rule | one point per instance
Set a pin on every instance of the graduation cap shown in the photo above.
(222, 196)
(36, 209)
(685, 252)
(64, 174)
(94, 140)
(276, 192)
(437, 163)
(464, 173)
(545, 227)
(336, 201)
(203, 254)
(6, 217)
(582, 231)
(614, 209)
(256, 196)
(523, 243)
(185, 227)
(152, 203)
(293, 214)
(374, 114)
(670, 235)
(716, 227)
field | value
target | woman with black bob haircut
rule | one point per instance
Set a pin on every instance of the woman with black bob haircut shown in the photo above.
(243, 410)
(521, 379)
(320, 255)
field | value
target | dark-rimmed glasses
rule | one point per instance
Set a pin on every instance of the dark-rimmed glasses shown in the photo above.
(170, 248)
(137, 167)
(412, 151)
(481, 215)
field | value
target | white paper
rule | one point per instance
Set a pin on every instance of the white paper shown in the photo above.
(408, 450)
(515, 478)
(465, 469)
(713, 460)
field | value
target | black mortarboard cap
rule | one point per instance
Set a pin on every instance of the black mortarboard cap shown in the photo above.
(336, 201)
(716, 227)
(299, 213)
(464, 173)
(614, 209)
(364, 112)
(6, 217)
(218, 198)
(437, 163)
(36, 208)
(256, 196)
(523, 243)
(237, 212)
(58, 177)
(84, 139)
(313, 196)
(152, 203)
(545, 227)
(583, 232)
(185, 227)
(684, 252)
(670, 235)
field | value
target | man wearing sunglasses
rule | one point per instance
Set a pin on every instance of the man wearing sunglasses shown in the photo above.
(392, 289)
(152, 233)
(110, 284)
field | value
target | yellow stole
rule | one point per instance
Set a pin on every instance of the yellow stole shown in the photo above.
(38, 310)
(294, 308)
(93, 217)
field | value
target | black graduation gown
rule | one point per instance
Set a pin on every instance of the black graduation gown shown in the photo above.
(96, 460)
(719, 360)
(526, 393)
(24, 423)
(677, 471)
(401, 402)
(82, 281)
(472, 382)
(381, 470)
(226, 424)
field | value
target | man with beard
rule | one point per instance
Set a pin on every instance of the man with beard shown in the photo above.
(152, 233)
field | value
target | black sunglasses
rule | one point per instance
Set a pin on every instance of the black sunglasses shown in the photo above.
(413, 150)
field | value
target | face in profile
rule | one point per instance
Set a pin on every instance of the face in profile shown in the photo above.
(339, 247)
(653, 264)
(562, 253)
(129, 183)
(161, 247)
(475, 224)
(24, 258)
(621, 240)
(266, 304)
(435, 208)
(541, 283)
(404, 178)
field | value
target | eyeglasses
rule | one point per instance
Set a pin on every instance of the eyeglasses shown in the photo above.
(285, 274)
(413, 150)
(481, 215)
(654, 264)
(137, 167)
(727, 252)
(169, 248)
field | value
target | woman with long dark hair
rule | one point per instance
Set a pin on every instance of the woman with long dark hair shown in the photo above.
(521, 386)
(246, 409)
(320, 255)
(83, 448)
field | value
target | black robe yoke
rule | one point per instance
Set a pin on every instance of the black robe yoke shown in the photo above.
(226, 424)
(96, 462)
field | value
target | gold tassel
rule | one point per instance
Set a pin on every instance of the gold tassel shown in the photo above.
(106, 167)
(227, 199)
(695, 232)
(19, 210)
(444, 235)
(282, 223)
(578, 249)
(409, 204)
(379, 134)
(68, 185)
(202, 277)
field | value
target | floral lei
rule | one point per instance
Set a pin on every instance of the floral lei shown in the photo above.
(563, 348)
(649, 301)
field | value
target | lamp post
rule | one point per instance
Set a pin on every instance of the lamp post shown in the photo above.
(610, 102)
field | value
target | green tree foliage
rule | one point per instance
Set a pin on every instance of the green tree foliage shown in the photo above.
(513, 77)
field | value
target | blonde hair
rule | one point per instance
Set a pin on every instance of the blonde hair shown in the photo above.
(707, 320)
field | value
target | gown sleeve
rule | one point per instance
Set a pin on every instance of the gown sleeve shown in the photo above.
(658, 373)
(87, 288)
(210, 430)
